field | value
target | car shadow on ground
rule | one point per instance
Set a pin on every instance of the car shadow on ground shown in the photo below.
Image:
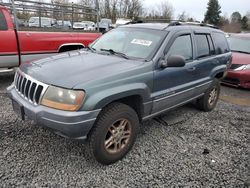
(79, 148)
(5, 80)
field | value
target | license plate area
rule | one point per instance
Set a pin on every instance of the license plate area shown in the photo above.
(18, 109)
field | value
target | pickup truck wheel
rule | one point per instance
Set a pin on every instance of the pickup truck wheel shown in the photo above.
(114, 133)
(209, 100)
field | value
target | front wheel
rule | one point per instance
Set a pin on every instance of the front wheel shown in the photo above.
(114, 133)
(209, 100)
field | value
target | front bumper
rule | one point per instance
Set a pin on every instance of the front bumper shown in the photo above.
(238, 78)
(75, 125)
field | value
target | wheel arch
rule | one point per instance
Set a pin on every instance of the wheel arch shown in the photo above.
(220, 75)
(135, 97)
(134, 100)
(219, 72)
(70, 46)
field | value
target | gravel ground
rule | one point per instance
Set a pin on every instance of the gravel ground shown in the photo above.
(183, 148)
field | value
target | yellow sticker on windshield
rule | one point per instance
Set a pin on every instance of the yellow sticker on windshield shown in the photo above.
(141, 42)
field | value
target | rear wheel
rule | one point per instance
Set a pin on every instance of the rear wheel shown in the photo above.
(114, 133)
(209, 100)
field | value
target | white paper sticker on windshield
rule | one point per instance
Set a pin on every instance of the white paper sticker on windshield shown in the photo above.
(141, 42)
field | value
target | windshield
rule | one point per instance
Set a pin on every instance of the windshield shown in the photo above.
(137, 43)
(239, 44)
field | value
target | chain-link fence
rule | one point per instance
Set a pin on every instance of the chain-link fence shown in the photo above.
(33, 15)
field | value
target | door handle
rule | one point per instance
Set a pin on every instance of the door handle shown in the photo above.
(191, 69)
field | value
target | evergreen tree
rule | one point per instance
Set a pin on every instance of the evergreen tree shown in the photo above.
(236, 17)
(244, 23)
(212, 15)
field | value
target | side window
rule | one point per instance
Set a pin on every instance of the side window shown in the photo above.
(182, 46)
(211, 45)
(202, 45)
(220, 43)
(3, 24)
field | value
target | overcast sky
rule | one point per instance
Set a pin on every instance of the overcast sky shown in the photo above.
(197, 8)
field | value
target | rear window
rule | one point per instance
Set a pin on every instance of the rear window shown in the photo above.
(220, 42)
(3, 24)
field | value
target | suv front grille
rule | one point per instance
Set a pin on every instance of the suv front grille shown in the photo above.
(29, 88)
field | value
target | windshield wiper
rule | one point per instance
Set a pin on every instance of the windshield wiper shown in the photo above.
(111, 51)
(91, 49)
(240, 51)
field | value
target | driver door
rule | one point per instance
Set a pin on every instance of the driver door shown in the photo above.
(175, 85)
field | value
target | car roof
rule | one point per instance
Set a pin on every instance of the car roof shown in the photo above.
(156, 26)
(170, 27)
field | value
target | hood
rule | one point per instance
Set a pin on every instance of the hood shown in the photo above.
(241, 58)
(72, 68)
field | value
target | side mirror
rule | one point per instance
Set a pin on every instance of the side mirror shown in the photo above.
(173, 61)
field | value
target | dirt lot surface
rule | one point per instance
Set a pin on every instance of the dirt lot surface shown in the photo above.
(184, 147)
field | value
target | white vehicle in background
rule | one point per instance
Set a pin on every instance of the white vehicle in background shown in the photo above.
(53, 21)
(79, 25)
(45, 22)
(105, 25)
(122, 21)
(64, 23)
(89, 26)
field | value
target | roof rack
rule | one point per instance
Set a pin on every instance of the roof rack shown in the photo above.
(176, 23)
(134, 22)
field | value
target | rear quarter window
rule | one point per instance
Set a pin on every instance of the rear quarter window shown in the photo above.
(3, 24)
(220, 43)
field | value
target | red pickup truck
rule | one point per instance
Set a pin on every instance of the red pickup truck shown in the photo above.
(22, 46)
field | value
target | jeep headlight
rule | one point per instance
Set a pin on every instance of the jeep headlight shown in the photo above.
(243, 67)
(63, 99)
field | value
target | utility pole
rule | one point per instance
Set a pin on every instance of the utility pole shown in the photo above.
(72, 19)
(97, 14)
(15, 14)
(40, 15)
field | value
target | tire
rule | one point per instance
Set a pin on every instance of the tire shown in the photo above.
(114, 133)
(209, 100)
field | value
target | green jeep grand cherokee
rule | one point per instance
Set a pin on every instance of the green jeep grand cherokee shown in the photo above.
(130, 74)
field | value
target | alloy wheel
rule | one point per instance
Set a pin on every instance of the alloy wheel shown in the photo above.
(213, 96)
(118, 136)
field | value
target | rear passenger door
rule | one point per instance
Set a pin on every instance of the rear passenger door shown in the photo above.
(205, 60)
(222, 50)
